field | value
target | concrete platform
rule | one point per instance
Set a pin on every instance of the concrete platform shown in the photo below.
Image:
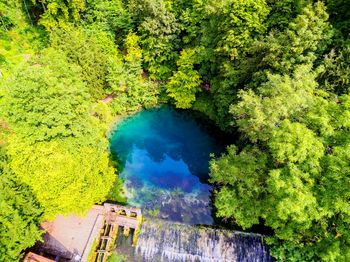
(72, 236)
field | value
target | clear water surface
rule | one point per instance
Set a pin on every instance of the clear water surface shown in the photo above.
(163, 156)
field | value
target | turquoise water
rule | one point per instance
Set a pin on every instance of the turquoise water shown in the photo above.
(163, 156)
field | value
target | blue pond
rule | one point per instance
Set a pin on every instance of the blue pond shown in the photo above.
(163, 157)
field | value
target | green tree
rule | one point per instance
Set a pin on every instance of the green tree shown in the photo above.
(159, 30)
(304, 39)
(296, 134)
(65, 176)
(3, 132)
(58, 12)
(20, 215)
(240, 176)
(109, 16)
(185, 82)
(47, 100)
(301, 42)
(336, 74)
(339, 17)
(280, 98)
(237, 22)
(56, 146)
(222, 32)
(133, 56)
(92, 50)
(130, 88)
(283, 12)
(18, 38)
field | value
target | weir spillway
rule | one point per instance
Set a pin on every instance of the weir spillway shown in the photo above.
(167, 241)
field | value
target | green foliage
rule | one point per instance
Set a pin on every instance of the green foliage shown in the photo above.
(130, 88)
(336, 74)
(280, 98)
(58, 12)
(65, 177)
(279, 52)
(283, 12)
(283, 177)
(11, 15)
(46, 100)
(340, 17)
(133, 56)
(116, 258)
(92, 50)
(117, 192)
(56, 147)
(185, 82)
(104, 113)
(20, 215)
(295, 143)
(300, 43)
(3, 132)
(110, 16)
(240, 174)
(276, 71)
(237, 22)
(159, 29)
(222, 31)
(18, 40)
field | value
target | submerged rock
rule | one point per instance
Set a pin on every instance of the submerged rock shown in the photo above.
(180, 207)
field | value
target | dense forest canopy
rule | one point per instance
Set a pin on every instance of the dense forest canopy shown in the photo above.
(276, 72)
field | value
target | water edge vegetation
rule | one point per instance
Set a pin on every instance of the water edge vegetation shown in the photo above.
(275, 72)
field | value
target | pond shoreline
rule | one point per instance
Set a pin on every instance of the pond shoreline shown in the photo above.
(166, 125)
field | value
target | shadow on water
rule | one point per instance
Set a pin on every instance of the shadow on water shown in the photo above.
(170, 132)
(223, 138)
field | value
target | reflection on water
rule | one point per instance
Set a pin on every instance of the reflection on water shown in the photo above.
(164, 159)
